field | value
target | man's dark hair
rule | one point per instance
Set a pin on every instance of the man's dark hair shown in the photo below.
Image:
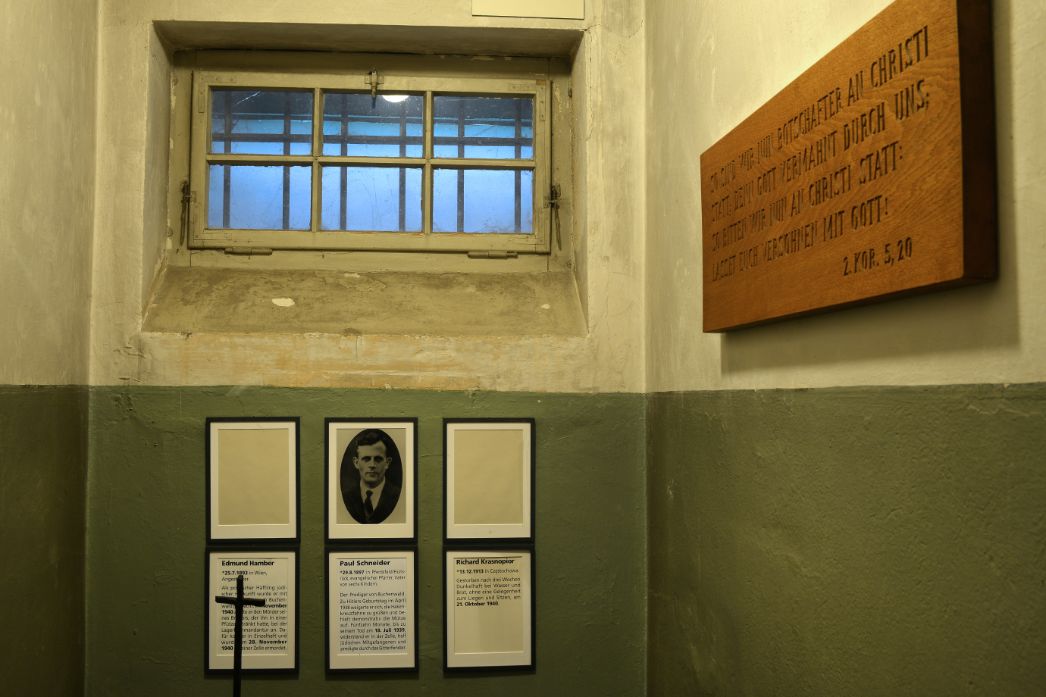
(371, 436)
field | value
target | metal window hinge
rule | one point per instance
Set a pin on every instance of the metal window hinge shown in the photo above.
(249, 251)
(374, 80)
(493, 255)
(188, 198)
(553, 201)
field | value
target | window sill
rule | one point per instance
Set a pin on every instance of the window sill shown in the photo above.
(252, 301)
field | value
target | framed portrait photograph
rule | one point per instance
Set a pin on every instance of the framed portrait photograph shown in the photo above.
(488, 479)
(488, 613)
(269, 638)
(370, 483)
(252, 479)
(372, 621)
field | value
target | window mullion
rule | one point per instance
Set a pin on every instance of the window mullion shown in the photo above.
(274, 160)
(427, 203)
(519, 154)
(403, 171)
(317, 148)
(461, 173)
(343, 172)
(226, 171)
(477, 163)
(365, 160)
(286, 168)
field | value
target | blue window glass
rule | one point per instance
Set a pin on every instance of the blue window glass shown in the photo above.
(259, 197)
(379, 199)
(261, 122)
(482, 200)
(361, 126)
(499, 128)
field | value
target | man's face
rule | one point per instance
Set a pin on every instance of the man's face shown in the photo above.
(371, 461)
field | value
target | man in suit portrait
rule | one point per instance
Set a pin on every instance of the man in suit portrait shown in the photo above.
(371, 477)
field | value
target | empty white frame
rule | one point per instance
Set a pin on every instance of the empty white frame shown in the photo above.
(252, 490)
(489, 479)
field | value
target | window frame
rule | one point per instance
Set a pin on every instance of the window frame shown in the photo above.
(395, 80)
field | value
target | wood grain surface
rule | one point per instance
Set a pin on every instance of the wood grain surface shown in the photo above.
(870, 176)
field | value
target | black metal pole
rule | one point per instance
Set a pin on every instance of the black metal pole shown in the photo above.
(237, 656)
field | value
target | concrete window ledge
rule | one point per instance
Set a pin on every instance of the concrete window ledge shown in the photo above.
(537, 37)
(217, 300)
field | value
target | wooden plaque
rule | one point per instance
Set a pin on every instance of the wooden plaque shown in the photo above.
(871, 175)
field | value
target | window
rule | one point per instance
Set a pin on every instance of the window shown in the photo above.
(371, 159)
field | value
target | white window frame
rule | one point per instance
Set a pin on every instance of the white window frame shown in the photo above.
(395, 82)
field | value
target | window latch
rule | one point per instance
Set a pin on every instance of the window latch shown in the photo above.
(374, 80)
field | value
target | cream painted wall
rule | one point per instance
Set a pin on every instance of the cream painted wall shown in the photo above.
(47, 139)
(709, 65)
(130, 236)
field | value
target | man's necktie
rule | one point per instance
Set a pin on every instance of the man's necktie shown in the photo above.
(368, 506)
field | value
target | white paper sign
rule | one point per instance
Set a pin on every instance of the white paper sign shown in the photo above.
(489, 609)
(370, 603)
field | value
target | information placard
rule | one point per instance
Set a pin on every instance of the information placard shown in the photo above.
(489, 612)
(371, 617)
(871, 175)
(270, 633)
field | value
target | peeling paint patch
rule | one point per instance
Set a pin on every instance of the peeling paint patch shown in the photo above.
(283, 302)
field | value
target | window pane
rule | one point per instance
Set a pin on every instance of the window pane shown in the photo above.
(261, 122)
(357, 125)
(386, 199)
(484, 127)
(483, 200)
(259, 197)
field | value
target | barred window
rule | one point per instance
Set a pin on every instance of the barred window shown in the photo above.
(370, 160)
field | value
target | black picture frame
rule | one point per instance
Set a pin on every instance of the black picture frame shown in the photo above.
(341, 526)
(210, 591)
(264, 534)
(523, 532)
(523, 661)
(333, 552)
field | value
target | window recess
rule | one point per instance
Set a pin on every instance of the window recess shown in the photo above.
(370, 161)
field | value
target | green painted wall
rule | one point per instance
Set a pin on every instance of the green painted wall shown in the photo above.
(875, 541)
(146, 540)
(43, 456)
